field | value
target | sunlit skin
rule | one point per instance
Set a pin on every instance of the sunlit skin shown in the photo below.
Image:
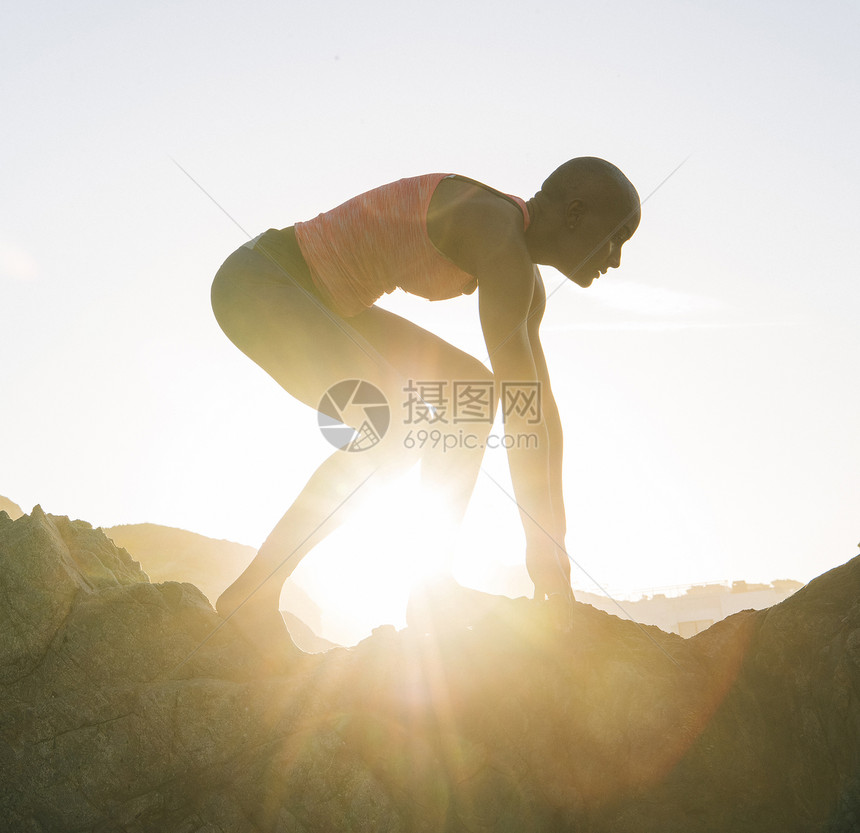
(579, 223)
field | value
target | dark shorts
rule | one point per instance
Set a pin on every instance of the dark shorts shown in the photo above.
(273, 257)
(266, 303)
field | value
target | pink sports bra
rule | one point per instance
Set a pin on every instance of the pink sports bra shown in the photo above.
(377, 242)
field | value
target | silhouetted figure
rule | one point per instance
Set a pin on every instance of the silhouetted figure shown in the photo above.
(300, 303)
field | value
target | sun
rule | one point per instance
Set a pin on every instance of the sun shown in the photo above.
(363, 573)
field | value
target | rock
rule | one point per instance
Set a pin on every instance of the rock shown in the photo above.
(45, 563)
(130, 706)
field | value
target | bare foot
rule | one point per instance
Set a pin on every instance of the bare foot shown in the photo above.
(561, 610)
(262, 627)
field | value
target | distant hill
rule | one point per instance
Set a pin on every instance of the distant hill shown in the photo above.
(14, 511)
(169, 554)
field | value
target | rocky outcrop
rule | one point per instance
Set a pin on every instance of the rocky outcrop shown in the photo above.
(130, 706)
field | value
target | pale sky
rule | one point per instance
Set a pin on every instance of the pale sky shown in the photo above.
(709, 389)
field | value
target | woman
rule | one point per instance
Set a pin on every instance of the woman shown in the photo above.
(300, 303)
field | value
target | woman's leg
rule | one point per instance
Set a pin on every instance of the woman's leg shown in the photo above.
(450, 466)
(307, 349)
(449, 471)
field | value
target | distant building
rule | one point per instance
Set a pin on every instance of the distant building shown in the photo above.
(699, 607)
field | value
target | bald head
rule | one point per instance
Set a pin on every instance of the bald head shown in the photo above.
(592, 179)
(583, 214)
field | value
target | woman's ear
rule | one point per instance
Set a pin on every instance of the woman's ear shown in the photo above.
(573, 213)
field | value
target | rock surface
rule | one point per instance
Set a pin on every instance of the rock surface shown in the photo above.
(128, 706)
